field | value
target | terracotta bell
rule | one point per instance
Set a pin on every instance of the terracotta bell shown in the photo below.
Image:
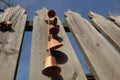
(54, 31)
(51, 13)
(50, 37)
(8, 23)
(51, 27)
(51, 68)
(53, 44)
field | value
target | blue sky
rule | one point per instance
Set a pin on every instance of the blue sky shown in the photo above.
(81, 6)
(60, 6)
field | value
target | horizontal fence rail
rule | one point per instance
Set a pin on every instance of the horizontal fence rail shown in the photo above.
(99, 42)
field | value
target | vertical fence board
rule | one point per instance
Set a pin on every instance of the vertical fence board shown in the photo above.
(72, 67)
(10, 42)
(39, 46)
(108, 28)
(103, 59)
(65, 56)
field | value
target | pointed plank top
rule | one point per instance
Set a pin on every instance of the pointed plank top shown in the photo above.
(102, 58)
(65, 55)
(107, 27)
(10, 42)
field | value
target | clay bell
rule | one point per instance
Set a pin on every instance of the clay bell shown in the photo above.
(51, 68)
(53, 44)
(51, 13)
(54, 31)
(52, 20)
(8, 23)
(51, 27)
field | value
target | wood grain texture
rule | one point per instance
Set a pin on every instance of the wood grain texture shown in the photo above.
(39, 46)
(10, 42)
(103, 59)
(65, 56)
(115, 19)
(108, 28)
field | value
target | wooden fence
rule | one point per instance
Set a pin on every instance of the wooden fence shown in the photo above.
(99, 42)
(10, 41)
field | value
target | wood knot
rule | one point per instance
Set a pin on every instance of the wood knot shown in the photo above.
(98, 45)
(75, 75)
(10, 51)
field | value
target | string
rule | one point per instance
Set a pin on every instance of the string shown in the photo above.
(48, 35)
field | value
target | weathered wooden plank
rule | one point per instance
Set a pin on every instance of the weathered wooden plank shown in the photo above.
(103, 59)
(65, 56)
(39, 45)
(10, 42)
(108, 28)
(115, 19)
(72, 67)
